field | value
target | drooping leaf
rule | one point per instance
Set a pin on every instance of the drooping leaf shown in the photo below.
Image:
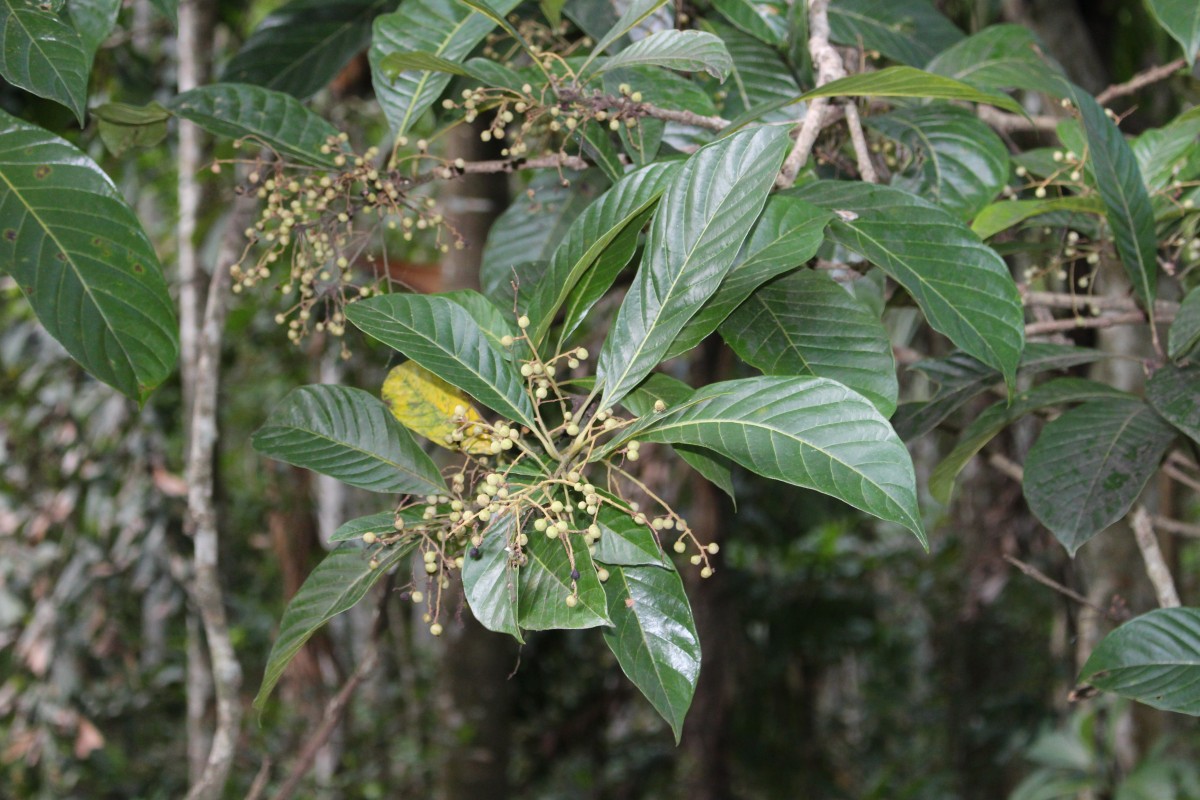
(446, 29)
(805, 324)
(1089, 466)
(960, 377)
(686, 51)
(788, 234)
(714, 468)
(590, 237)
(654, 638)
(998, 58)
(759, 78)
(490, 578)
(1119, 181)
(997, 417)
(766, 22)
(41, 53)
(810, 432)
(300, 47)
(1154, 659)
(1181, 19)
(1005, 214)
(123, 126)
(701, 222)
(347, 434)
(910, 82)
(625, 543)
(1185, 330)
(530, 229)
(277, 120)
(79, 254)
(441, 336)
(93, 20)
(958, 162)
(962, 286)
(1174, 392)
(336, 585)
(545, 581)
(425, 404)
(909, 31)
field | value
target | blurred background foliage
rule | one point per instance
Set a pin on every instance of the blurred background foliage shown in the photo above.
(840, 660)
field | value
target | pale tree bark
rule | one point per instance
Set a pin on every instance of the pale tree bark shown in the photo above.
(202, 322)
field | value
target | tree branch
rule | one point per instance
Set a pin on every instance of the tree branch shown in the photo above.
(1141, 81)
(1059, 325)
(1016, 123)
(1046, 580)
(829, 67)
(1103, 302)
(1156, 567)
(1175, 526)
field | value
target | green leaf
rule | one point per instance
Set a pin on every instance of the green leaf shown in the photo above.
(382, 523)
(93, 20)
(700, 224)
(654, 638)
(806, 324)
(908, 31)
(123, 126)
(957, 161)
(961, 285)
(910, 82)
(1185, 330)
(759, 78)
(442, 337)
(999, 416)
(300, 47)
(766, 22)
(336, 585)
(1174, 392)
(168, 8)
(489, 578)
(1154, 659)
(395, 63)
(529, 230)
(553, 10)
(599, 148)
(960, 377)
(494, 323)
(1089, 466)
(1162, 153)
(79, 254)
(788, 234)
(625, 543)
(714, 468)
(347, 434)
(545, 581)
(1119, 181)
(596, 235)
(277, 120)
(686, 51)
(1181, 19)
(445, 29)
(41, 53)
(809, 432)
(998, 58)
(1005, 214)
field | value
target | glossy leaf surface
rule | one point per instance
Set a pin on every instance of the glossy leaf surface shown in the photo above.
(489, 579)
(545, 581)
(41, 53)
(701, 222)
(80, 256)
(347, 434)
(1174, 392)
(441, 336)
(685, 51)
(1154, 659)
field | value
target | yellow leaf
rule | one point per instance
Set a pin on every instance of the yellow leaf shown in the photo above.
(424, 403)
